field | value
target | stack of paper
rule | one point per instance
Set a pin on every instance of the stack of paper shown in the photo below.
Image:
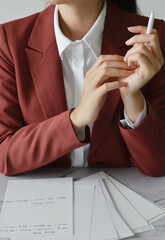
(94, 208)
(130, 213)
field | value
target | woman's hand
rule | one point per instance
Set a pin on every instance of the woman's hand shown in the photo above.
(146, 54)
(99, 80)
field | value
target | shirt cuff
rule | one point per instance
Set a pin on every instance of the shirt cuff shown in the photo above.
(81, 134)
(126, 123)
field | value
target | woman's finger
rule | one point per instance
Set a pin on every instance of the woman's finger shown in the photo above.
(146, 69)
(101, 75)
(105, 58)
(141, 48)
(152, 41)
(142, 38)
(118, 65)
(109, 86)
(140, 29)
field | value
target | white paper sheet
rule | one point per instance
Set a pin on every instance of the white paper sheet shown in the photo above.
(121, 226)
(113, 211)
(37, 208)
(149, 210)
(128, 212)
(83, 208)
(102, 224)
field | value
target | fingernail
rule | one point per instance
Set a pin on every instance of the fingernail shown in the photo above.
(125, 84)
(127, 42)
(133, 66)
(136, 64)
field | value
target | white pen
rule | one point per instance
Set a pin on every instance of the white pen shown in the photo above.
(150, 23)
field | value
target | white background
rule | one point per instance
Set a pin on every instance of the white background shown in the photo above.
(13, 9)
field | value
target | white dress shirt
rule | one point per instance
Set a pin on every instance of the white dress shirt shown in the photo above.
(77, 58)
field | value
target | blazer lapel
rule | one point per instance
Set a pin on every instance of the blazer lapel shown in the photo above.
(45, 65)
(46, 69)
(114, 36)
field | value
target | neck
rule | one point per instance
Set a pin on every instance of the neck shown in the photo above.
(75, 20)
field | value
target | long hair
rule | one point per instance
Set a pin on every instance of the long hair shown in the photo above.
(127, 5)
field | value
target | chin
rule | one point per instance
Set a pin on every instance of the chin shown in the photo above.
(57, 1)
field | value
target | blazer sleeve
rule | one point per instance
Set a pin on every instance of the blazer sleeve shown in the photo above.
(146, 143)
(26, 147)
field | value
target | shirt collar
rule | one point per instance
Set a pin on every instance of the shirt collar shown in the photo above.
(93, 38)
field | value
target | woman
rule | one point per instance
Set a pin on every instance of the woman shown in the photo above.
(73, 93)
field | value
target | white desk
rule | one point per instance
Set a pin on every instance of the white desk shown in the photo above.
(151, 188)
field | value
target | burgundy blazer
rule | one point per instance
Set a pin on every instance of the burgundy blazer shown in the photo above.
(35, 126)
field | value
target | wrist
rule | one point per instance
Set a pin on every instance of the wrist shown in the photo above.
(76, 121)
(131, 95)
(133, 105)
